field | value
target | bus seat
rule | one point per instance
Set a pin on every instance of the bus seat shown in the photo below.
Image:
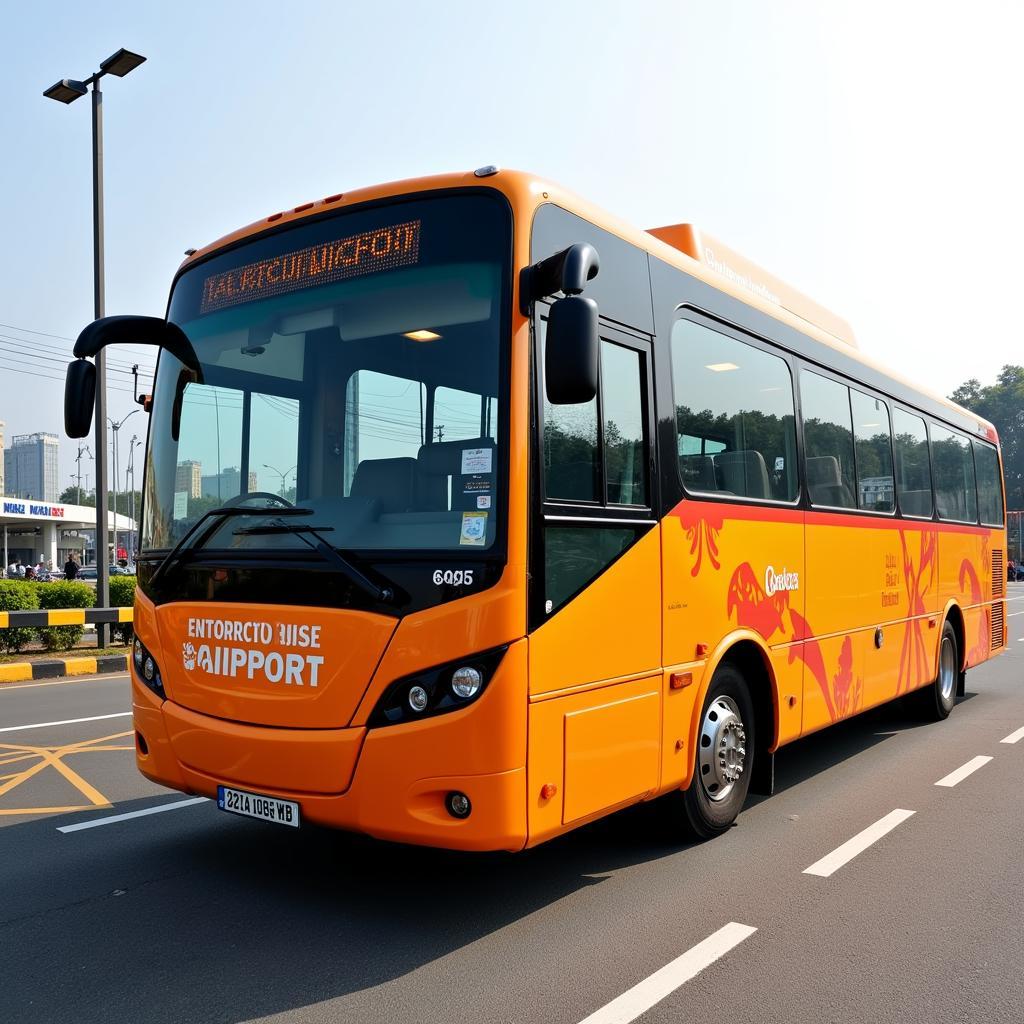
(439, 461)
(390, 482)
(744, 473)
(825, 482)
(698, 472)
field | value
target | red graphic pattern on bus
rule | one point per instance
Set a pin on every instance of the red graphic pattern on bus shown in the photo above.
(917, 580)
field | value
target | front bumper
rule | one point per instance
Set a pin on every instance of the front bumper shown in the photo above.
(390, 783)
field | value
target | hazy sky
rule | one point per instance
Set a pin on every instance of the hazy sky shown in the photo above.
(866, 152)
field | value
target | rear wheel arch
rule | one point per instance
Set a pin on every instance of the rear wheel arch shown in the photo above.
(955, 617)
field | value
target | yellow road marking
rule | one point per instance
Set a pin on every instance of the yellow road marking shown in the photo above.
(11, 760)
(53, 757)
(53, 810)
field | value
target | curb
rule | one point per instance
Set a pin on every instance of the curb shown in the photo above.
(57, 668)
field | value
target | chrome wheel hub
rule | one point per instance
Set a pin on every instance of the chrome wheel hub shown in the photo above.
(947, 670)
(722, 750)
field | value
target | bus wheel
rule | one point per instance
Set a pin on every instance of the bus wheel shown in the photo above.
(937, 700)
(724, 756)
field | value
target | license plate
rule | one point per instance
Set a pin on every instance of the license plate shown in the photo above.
(255, 805)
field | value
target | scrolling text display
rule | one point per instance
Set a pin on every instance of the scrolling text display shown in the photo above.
(381, 249)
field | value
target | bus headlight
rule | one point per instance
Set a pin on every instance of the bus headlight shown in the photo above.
(437, 690)
(147, 669)
(466, 681)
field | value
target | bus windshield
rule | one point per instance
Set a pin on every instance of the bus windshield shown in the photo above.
(355, 366)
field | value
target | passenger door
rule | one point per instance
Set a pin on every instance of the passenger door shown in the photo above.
(595, 591)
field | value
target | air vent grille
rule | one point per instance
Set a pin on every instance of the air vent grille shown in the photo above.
(998, 573)
(998, 620)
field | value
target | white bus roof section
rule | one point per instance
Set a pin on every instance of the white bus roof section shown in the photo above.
(728, 263)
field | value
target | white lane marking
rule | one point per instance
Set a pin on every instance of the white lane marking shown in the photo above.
(4, 687)
(841, 855)
(67, 721)
(963, 771)
(1017, 734)
(110, 819)
(1011, 615)
(642, 996)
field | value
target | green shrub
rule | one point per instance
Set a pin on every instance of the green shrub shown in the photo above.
(122, 595)
(63, 595)
(16, 595)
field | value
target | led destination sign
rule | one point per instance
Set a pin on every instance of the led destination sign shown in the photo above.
(324, 263)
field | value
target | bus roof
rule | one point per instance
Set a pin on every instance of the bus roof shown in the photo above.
(681, 245)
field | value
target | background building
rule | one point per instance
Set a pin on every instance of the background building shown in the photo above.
(189, 478)
(32, 467)
(226, 484)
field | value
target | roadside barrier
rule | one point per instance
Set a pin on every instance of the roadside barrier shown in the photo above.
(65, 616)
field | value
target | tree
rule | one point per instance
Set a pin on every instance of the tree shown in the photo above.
(1002, 404)
(77, 496)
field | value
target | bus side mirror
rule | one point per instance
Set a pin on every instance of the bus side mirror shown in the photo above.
(571, 351)
(136, 330)
(571, 345)
(79, 397)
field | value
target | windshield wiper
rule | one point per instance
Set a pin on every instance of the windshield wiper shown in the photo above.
(213, 519)
(309, 534)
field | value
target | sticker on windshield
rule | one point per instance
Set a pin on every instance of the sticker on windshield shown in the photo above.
(476, 460)
(474, 529)
(483, 501)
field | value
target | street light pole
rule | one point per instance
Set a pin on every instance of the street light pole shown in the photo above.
(135, 442)
(115, 426)
(99, 306)
(283, 476)
(78, 458)
(66, 91)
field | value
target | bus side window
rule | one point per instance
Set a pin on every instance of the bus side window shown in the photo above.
(913, 472)
(572, 458)
(735, 423)
(990, 490)
(828, 439)
(876, 488)
(955, 494)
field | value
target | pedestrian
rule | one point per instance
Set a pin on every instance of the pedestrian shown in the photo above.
(70, 568)
(12, 570)
(30, 572)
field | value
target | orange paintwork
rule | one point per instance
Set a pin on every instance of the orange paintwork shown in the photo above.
(581, 716)
(345, 648)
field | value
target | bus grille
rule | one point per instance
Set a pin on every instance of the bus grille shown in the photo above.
(998, 574)
(998, 624)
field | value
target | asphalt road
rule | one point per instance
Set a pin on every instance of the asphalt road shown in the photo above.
(193, 915)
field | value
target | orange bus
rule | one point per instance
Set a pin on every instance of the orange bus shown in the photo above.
(473, 514)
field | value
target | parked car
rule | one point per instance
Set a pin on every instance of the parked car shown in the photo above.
(88, 572)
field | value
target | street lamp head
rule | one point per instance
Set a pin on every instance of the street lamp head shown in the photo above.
(67, 90)
(120, 63)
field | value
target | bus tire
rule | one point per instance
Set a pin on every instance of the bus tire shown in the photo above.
(936, 700)
(724, 756)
